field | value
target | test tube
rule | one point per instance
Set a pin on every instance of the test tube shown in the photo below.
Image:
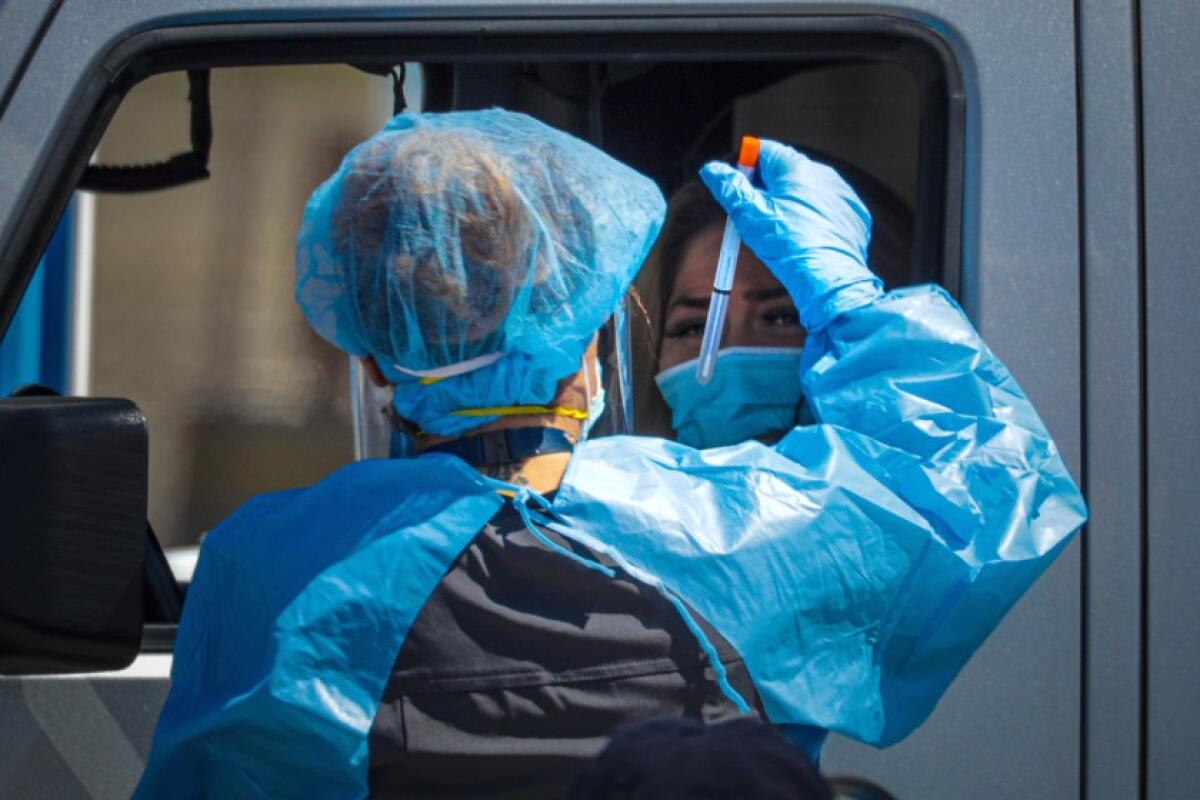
(714, 325)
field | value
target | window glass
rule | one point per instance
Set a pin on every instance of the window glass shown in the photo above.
(864, 119)
(193, 314)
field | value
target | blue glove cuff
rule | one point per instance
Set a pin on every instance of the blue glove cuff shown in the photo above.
(822, 310)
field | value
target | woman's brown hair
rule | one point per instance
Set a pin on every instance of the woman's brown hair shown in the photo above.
(691, 211)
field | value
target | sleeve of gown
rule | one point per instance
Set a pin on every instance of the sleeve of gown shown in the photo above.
(910, 400)
(186, 759)
(859, 563)
(879, 547)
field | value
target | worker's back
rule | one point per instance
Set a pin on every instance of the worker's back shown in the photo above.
(521, 665)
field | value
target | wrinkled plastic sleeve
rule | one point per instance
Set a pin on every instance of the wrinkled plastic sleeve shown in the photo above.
(301, 602)
(858, 564)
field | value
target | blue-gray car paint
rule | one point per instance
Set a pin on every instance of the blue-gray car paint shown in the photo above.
(1014, 724)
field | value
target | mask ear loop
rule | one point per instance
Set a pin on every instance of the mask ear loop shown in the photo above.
(520, 496)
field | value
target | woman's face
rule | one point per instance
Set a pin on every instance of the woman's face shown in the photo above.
(760, 312)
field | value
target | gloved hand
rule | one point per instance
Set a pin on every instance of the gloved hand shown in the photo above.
(807, 225)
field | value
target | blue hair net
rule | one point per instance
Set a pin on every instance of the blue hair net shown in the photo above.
(473, 255)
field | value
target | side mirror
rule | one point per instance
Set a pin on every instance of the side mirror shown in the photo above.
(73, 490)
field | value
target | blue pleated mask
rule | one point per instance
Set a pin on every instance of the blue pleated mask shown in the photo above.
(755, 393)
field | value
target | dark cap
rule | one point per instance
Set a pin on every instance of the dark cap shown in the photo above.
(682, 758)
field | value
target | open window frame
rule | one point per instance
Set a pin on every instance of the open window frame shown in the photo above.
(938, 211)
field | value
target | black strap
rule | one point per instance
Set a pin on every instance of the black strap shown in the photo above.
(397, 73)
(176, 170)
(506, 446)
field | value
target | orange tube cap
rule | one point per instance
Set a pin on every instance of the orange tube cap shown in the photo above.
(748, 154)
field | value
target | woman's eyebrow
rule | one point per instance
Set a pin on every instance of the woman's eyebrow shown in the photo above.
(759, 295)
(692, 301)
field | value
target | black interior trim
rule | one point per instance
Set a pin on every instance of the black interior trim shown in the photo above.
(162, 599)
(159, 637)
(174, 171)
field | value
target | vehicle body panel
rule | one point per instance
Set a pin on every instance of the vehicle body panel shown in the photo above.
(1170, 90)
(80, 736)
(1112, 474)
(1013, 724)
(23, 22)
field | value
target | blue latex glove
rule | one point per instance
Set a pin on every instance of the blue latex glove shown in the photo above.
(807, 225)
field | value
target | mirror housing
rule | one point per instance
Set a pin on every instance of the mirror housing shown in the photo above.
(73, 492)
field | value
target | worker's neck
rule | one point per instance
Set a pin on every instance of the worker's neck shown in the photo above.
(542, 473)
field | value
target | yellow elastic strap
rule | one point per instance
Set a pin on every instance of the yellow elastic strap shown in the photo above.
(514, 411)
(428, 381)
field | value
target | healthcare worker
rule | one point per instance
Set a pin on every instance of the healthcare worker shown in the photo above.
(837, 580)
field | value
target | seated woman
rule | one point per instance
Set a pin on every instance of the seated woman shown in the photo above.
(475, 621)
(757, 392)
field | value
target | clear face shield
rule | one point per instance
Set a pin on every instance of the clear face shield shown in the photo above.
(377, 434)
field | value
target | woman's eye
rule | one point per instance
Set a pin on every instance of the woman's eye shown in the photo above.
(782, 318)
(685, 329)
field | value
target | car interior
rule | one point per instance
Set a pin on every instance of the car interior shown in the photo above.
(881, 105)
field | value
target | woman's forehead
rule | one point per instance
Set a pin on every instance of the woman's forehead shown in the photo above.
(699, 265)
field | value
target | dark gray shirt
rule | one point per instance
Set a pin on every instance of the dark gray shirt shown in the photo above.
(521, 665)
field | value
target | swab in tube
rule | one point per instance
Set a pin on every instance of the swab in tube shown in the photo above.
(731, 243)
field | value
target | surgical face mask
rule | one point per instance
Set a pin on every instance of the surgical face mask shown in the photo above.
(377, 436)
(593, 388)
(755, 392)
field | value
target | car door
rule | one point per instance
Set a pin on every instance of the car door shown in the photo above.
(1010, 726)
(1170, 101)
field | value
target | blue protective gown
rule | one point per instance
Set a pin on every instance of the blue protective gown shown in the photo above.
(856, 565)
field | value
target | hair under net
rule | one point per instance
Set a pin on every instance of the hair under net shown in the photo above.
(473, 255)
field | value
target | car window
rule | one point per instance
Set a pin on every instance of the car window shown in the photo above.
(181, 298)
(193, 313)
